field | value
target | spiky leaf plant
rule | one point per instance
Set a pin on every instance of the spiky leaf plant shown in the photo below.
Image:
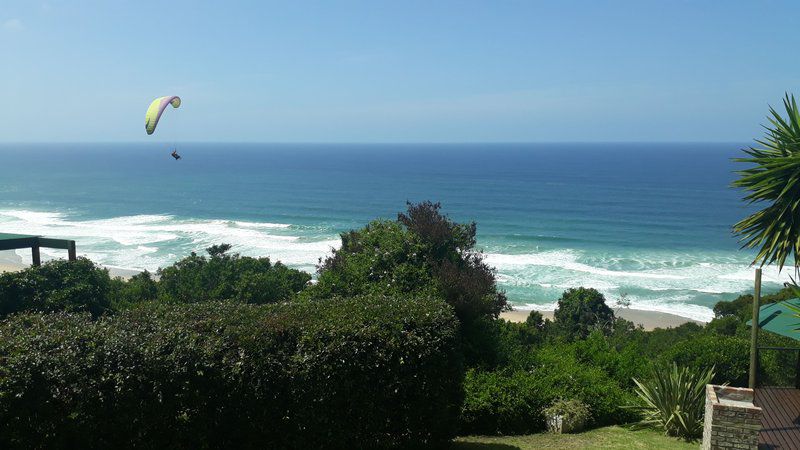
(774, 179)
(674, 400)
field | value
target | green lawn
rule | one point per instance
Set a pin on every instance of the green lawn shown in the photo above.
(603, 438)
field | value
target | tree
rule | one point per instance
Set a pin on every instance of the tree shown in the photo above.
(773, 178)
(422, 253)
(582, 310)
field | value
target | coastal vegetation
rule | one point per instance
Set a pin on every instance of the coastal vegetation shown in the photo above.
(397, 344)
(363, 372)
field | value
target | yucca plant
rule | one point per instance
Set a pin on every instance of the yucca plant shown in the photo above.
(773, 178)
(674, 400)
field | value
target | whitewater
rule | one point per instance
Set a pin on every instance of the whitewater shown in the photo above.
(646, 222)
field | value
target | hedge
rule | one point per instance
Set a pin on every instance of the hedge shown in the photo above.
(355, 373)
(512, 401)
(56, 286)
(730, 357)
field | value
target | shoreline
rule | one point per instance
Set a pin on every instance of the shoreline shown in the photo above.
(11, 262)
(649, 320)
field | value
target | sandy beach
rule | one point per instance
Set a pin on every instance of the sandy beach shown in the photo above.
(648, 319)
(11, 262)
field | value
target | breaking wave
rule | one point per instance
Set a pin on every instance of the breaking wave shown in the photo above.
(683, 283)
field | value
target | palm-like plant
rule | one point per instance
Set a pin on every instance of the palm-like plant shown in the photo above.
(674, 400)
(774, 177)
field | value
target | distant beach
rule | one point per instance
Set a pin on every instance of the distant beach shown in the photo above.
(11, 262)
(649, 320)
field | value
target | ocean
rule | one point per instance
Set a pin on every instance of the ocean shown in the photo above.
(648, 222)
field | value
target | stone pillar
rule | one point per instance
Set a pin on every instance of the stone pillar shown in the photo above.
(731, 420)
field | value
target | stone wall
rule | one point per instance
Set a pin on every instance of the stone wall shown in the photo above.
(731, 419)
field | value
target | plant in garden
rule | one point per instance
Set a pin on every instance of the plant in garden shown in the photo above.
(773, 178)
(565, 416)
(674, 400)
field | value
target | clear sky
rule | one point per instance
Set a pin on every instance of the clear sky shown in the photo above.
(401, 71)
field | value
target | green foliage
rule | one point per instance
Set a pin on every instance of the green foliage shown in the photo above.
(742, 306)
(674, 400)
(535, 320)
(773, 177)
(730, 355)
(491, 344)
(512, 401)
(571, 411)
(138, 288)
(621, 363)
(56, 286)
(355, 373)
(225, 276)
(421, 253)
(582, 310)
(727, 326)
(651, 344)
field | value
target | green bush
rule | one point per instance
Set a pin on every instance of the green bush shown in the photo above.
(356, 373)
(742, 306)
(512, 401)
(573, 413)
(422, 253)
(621, 364)
(580, 311)
(727, 326)
(224, 276)
(674, 400)
(729, 355)
(138, 288)
(57, 285)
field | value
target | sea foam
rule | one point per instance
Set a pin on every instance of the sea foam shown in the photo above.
(683, 283)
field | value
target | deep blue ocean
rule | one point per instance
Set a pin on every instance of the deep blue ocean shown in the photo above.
(650, 221)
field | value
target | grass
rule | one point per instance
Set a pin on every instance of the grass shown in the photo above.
(612, 438)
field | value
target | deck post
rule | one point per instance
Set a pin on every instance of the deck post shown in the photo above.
(754, 332)
(35, 256)
(71, 253)
(797, 372)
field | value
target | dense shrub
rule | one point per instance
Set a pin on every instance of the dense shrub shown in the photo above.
(729, 355)
(56, 286)
(356, 373)
(621, 364)
(727, 326)
(489, 344)
(138, 288)
(225, 276)
(512, 401)
(566, 416)
(742, 306)
(421, 253)
(651, 344)
(582, 310)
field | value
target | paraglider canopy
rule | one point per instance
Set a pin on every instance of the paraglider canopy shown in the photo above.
(157, 108)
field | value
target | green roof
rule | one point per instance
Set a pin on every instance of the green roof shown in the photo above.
(779, 318)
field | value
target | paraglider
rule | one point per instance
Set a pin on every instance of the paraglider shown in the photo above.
(154, 112)
(156, 109)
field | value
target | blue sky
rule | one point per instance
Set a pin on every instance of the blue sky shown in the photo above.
(405, 71)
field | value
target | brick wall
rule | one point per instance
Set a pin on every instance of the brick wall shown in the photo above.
(730, 424)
